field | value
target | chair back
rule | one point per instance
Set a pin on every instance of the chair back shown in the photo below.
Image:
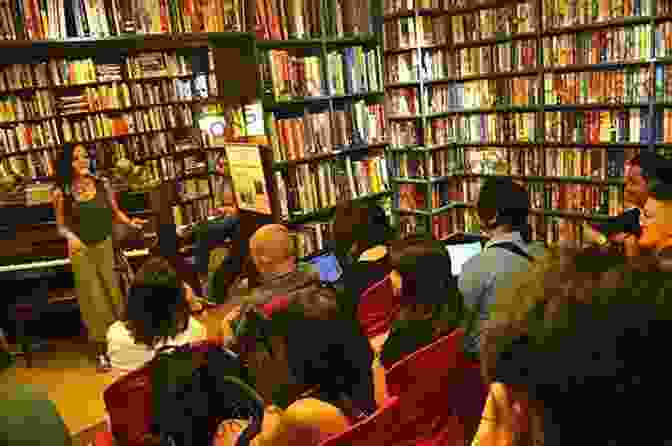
(382, 428)
(129, 402)
(440, 387)
(378, 308)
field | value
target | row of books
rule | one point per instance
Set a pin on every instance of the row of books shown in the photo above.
(170, 90)
(516, 55)
(496, 22)
(491, 128)
(354, 70)
(295, 76)
(626, 86)
(598, 126)
(309, 188)
(19, 108)
(392, 6)
(103, 126)
(61, 19)
(612, 45)
(562, 13)
(27, 135)
(99, 98)
(410, 66)
(488, 93)
(354, 124)
(30, 165)
(311, 238)
(302, 19)
(404, 133)
(402, 102)
(193, 188)
(663, 38)
(191, 212)
(409, 32)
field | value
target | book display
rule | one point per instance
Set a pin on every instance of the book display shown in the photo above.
(557, 94)
(321, 72)
(133, 109)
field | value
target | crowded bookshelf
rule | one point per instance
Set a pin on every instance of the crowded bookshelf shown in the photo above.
(557, 94)
(133, 101)
(322, 87)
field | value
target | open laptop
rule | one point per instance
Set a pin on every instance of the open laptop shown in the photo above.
(327, 265)
(462, 249)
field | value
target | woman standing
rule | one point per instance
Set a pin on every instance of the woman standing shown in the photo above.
(86, 209)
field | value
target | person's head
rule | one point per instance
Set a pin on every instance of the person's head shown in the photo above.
(291, 345)
(426, 283)
(157, 308)
(597, 332)
(636, 188)
(271, 250)
(73, 162)
(503, 207)
(656, 217)
(358, 227)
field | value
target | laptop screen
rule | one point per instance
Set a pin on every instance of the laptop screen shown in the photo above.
(460, 253)
(328, 266)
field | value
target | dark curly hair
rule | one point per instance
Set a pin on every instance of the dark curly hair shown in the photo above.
(360, 225)
(157, 308)
(599, 324)
(506, 200)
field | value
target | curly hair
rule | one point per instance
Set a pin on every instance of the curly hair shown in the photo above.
(157, 308)
(595, 326)
(360, 225)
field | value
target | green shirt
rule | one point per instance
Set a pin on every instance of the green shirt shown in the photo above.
(96, 221)
(29, 418)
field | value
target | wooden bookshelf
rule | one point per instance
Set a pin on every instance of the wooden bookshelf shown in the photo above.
(151, 113)
(561, 89)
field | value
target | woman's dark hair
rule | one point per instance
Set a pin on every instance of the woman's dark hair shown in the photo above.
(64, 168)
(597, 331)
(157, 309)
(426, 276)
(508, 202)
(338, 360)
(363, 225)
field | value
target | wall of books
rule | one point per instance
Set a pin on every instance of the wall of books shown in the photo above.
(135, 111)
(321, 69)
(556, 93)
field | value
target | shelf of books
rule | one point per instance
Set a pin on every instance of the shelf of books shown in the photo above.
(555, 93)
(322, 96)
(135, 110)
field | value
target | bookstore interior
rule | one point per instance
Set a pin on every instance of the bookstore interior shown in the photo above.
(286, 108)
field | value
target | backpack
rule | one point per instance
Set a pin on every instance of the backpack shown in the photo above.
(195, 388)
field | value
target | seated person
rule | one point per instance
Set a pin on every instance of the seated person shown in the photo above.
(431, 302)
(225, 227)
(27, 416)
(503, 207)
(314, 388)
(588, 340)
(157, 314)
(274, 263)
(656, 218)
(361, 236)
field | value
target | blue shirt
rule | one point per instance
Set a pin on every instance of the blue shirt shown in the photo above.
(485, 273)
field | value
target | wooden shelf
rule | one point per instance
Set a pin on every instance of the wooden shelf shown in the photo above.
(494, 40)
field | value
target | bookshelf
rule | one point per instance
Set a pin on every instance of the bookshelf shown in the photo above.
(322, 95)
(557, 94)
(133, 101)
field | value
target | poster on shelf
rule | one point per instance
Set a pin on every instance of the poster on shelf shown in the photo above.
(247, 174)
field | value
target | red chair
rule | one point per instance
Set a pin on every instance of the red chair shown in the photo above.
(378, 308)
(128, 401)
(439, 386)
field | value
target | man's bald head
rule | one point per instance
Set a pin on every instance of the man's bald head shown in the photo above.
(271, 248)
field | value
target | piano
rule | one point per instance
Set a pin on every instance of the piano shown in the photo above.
(34, 262)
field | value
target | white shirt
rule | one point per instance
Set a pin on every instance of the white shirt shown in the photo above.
(126, 355)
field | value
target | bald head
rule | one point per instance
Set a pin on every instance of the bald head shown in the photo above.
(271, 249)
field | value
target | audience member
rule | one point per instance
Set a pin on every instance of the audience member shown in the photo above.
(503, 208)
(316, 386)
(656, 219)
(432, 305)
(625, 228)
(361, 234)
(599, 320)
(157, 314)
(27, 416)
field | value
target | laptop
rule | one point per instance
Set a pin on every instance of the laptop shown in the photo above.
(461, 250)
(327, 265)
